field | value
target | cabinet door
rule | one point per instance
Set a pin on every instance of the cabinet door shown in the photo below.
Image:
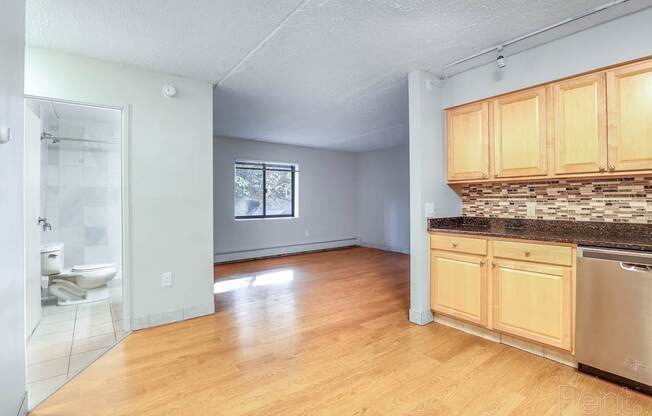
(467, 141)
(580, 121)
(458, 286)
(533, 301)
(520, 147)
(629, 101)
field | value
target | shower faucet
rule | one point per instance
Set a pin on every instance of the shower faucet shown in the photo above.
(43, 222)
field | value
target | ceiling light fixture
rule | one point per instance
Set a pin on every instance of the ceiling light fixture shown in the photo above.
(500, 59)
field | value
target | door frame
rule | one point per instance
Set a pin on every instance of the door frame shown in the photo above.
(125, 197)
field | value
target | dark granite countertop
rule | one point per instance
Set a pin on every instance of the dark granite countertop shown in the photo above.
(594, 234)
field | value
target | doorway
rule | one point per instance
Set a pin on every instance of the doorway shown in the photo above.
(76, 249)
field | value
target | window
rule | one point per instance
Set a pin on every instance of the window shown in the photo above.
(265, 190)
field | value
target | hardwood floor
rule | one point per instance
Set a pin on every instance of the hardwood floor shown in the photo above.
(326, 334)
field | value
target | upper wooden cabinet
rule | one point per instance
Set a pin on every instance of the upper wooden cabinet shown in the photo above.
(593, 125)
(520, 138)
(629, 98)
(468, 142)
(580, 121)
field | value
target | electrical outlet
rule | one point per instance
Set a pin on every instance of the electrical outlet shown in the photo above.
(166, 279)
(531, 208)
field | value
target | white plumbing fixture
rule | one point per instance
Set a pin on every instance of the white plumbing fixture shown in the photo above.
(80, 284)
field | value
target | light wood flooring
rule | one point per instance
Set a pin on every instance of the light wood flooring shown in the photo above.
(326, 334)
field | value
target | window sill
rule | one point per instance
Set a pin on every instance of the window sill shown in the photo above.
(266, 219)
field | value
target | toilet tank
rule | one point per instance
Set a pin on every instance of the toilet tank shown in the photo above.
(51, 259)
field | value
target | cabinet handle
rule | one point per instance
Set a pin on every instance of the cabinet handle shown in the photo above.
(481, 263)
(527, 254)
(455, 245)
(493, 264)
(612, 167)
(602, 168)
(484, 175)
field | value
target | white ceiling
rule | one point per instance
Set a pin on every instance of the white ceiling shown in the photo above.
(324, 73)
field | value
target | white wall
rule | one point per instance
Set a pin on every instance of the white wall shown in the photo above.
(326, 201)
(170, 149)
(383, 198)
(32, 213)
(12, 272)
(617, 41)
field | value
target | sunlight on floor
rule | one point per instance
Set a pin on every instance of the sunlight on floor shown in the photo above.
(264, 279)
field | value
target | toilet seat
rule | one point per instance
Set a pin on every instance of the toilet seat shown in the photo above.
(89, 276)
(91, 267)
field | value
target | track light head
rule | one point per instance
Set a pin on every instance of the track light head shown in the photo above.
(500, 59)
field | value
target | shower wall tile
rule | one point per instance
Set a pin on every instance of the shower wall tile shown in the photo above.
(626, 200)
(71, 175)
(100, 254)
(72, 235)
(95, 216)
(95, 236)
(69, 218)
(70, 157)
(81, 198)
(52, 153)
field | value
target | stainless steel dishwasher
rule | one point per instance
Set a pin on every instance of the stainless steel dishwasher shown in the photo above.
(614, 316)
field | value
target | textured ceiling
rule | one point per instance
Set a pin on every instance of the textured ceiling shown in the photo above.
(324, 73)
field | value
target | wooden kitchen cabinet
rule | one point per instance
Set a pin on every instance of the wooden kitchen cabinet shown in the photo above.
(629, 100)
(580, 124)
(467, 144)
(533, 301)
(458, 286)
(517, 287)
(593, 125)
(520, 134)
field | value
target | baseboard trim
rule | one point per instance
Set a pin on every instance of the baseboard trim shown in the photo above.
(230, 256)
(420, 317)
(170, 317)
(530, 347)
(403, 250)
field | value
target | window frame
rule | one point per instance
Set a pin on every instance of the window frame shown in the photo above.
(264, 167)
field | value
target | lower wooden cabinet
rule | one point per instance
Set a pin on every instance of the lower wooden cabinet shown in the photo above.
(524, 289)
(533, 301)
(459, 286)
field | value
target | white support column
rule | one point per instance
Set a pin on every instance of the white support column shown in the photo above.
(427, 184)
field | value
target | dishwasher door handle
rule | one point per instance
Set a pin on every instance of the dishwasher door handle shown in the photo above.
(632, 267)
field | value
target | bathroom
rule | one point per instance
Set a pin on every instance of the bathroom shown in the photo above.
(74, 239)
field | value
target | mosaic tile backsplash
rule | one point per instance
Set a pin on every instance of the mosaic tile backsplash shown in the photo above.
(610, 200)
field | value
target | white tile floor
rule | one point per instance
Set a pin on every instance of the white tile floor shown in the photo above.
(68, 339)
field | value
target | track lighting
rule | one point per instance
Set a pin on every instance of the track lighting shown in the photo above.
(500, 59)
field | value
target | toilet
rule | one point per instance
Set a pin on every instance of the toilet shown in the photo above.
(80, 284)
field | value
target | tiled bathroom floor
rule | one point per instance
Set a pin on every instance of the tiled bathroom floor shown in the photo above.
(67, 340)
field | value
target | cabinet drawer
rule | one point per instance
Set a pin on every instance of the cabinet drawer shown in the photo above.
(458, 244)
(540, 253)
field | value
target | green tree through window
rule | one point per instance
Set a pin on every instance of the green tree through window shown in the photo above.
(264, 190)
